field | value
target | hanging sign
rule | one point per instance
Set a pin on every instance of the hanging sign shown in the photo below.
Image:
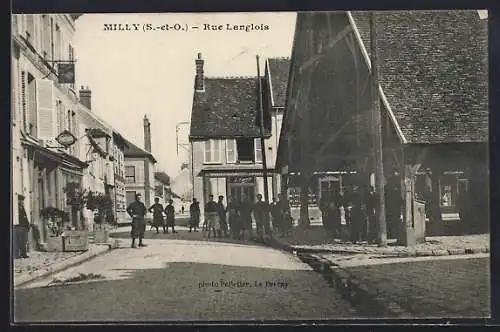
(66, 139)
(66, 72)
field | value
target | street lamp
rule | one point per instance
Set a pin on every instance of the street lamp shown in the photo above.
(177, 135)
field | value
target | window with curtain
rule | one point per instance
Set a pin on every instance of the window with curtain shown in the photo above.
(231, 151)
(212, 151)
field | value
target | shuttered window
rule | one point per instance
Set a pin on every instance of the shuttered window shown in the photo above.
(258, 150)
(47, 124)
(23, 101)
(45, 35)
(31, 103)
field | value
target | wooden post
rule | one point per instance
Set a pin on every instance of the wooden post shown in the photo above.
(377, 131)
(262, 142)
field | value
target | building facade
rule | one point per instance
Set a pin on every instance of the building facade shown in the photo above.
(120, 197)
(41, 109)
(226, 154)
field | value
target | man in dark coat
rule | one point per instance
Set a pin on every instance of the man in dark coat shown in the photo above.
(260, 213)
(233, 215)
(276, 216)
(211, 216)
(194, 211)
(221, 210)
(245, 208)
(170, 219)
(137, 210)
(371, 205)
(24, 225)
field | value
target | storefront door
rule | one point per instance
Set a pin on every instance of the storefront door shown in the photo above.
(238, 192)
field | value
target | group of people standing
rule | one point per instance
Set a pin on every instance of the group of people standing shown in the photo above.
(235, 218)
(351, 218)
(137, 211)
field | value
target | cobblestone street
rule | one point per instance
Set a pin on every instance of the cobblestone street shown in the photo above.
(182, 280)
(438, 288)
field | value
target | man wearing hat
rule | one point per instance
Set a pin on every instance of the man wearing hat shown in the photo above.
(137, 210)
(24, 225)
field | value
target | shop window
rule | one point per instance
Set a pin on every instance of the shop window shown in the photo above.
(448, 190)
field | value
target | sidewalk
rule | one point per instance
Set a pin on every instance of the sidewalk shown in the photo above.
(315, 240)
(42, 264)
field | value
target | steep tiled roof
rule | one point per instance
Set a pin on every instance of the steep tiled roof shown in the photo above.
(227, 108)
(132, 150)
(434, 72)
(279, 68)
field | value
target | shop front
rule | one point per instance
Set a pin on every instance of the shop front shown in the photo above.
(236, 185)
(47, 174)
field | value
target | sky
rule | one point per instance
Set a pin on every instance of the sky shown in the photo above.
(137, 73)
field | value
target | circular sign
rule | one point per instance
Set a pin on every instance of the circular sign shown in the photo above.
(66, 139)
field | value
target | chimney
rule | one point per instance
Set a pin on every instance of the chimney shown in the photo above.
(199, 81)
(85, 97)
(147, 134)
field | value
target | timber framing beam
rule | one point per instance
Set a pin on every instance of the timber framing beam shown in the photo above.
(334, 41)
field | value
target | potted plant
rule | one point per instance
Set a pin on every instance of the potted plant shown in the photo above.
(53, 225)
(99, 203)
(75, 236)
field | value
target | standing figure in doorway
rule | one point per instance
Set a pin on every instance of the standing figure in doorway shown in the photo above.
(137, 210)
(212, 216)
(221, 210)
(170, 213)
(276, 215)
(194, 212)
(24, 225)
(286, 216)
(245, 215)
(157, 210)
(260, 212)
(233, 216)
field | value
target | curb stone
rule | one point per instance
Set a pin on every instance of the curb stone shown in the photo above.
(61, 266)
(356, 292)
(407, 252)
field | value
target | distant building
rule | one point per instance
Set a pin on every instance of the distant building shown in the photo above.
(162, 187)
(224, 135)
(139, 169)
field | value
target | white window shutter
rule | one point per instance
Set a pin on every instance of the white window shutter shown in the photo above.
(231, 151)
(24, 101)
(47, 119)
(258, 150)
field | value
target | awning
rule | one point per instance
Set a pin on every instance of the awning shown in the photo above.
(58, 157)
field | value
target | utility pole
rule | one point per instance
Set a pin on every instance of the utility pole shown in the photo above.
(377, 132)
(262, 143)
